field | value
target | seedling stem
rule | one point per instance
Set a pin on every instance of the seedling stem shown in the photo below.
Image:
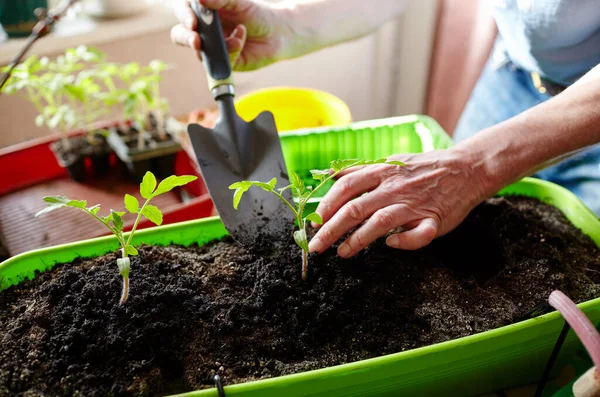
(114, 222)
(304, 194)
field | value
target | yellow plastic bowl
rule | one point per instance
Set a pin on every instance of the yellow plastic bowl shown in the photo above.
(295, 108)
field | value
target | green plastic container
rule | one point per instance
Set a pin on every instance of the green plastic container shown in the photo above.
(308, 149)
(486, 362)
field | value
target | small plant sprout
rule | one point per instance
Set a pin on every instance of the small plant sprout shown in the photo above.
(158, 106)
(303, 194)
(62, 98)
(114, 220)
(143, 97)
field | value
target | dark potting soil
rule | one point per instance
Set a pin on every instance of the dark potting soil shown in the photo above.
(130, 135)
(196, 311)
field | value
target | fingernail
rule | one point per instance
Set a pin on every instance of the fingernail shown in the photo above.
(315, 225)
(344, 250)
(392, 241)
(315, 245)
(191, 42)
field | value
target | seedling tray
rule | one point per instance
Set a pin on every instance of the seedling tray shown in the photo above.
(30, 171)
(127, 154)
(505, 357)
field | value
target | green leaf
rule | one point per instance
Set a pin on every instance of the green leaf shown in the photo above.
(130, 250)
(297, 183)
(130, 70)
(132, 204)
(39, 120)
(339, 165)
(153, 214)
(94, 209)
(243, 186)
(54, 202)
(319, 175)
(283, 189)
(157, 66)
(53, 122)
(301, 239)
(167, 184)
(148, 185)
(117, 220)
(393, 162)
(56, 199)
(77, 203)
(49, 207)
(316, 218)
(110, 216)
(240, 189)
(75, 92)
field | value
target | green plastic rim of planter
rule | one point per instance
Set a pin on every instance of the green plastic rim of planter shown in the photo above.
(480, 363)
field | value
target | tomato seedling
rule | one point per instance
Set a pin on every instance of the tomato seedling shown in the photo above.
(303, 194)
(114, 221)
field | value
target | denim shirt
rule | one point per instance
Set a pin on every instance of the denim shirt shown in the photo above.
(559, 39)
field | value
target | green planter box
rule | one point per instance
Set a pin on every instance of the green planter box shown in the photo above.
(485, 362)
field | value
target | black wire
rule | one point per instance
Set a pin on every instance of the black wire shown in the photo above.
(552, 360)
(219, 384)
(541, 308)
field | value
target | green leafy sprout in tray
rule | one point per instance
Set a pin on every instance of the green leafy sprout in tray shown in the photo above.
(114, 222)
(303, 194)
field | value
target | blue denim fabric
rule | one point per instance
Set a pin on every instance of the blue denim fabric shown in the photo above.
(505, 91)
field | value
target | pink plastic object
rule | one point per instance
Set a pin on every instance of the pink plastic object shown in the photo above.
(582, 325)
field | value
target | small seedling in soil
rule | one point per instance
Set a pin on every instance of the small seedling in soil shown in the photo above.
(304, 194)
(114, 222)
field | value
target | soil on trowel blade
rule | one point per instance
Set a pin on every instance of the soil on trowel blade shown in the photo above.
(197, 311)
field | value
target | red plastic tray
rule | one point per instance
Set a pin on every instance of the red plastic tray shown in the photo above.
(30, 171)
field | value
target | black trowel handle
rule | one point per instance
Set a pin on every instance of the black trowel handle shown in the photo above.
(213, 48)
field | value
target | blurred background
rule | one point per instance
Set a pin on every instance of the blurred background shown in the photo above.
(426, 62)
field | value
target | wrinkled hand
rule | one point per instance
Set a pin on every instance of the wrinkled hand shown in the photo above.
(427, 198)
(255, 32)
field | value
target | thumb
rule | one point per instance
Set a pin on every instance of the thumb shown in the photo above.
(235, 43)
(415, 238)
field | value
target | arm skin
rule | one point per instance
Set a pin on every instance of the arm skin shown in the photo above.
(317, 24)
(436, 190)
(259, 33)
(541, 136)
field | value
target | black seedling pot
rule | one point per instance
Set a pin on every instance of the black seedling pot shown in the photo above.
(72, 160)
(156, 156)
(99, 153)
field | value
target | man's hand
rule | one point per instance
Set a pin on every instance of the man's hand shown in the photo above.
(427, 198)
(255, 32)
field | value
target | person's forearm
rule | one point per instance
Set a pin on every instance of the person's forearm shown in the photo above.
(537, 137)
(316, 24)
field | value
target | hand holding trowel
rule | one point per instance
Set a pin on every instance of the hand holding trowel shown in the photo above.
(236, 150)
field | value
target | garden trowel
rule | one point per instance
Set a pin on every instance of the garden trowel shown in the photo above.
(236, 150)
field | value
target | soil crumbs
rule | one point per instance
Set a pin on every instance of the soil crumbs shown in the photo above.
(196, 311)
